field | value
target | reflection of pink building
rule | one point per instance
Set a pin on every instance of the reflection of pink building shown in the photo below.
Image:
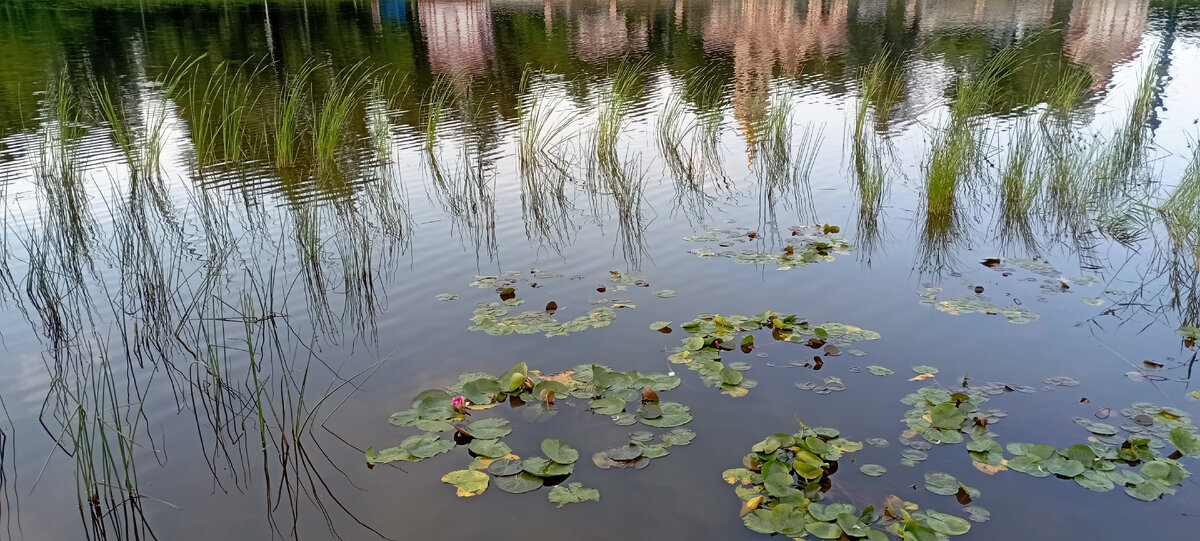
(604, 32)
(764, 34)
(458, 35)
(1004, 17)
(1103, 33)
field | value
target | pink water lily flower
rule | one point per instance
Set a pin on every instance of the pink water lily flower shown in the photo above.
(459, 403)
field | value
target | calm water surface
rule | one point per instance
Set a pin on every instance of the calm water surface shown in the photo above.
(143, 314)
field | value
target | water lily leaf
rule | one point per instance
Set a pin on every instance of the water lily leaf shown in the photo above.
(649, 411)
(489, 448)
(654, 451)
(504, 466)
(877, 442)
(572, 493)
(659, 325)
(559, 452)
(880, 370)
(924, 369)
(426, 446)
(678, 436)
(673, 414)
(730, 376)
(481, 391)
(824, 530)
(780, 484)
(426, 425)
(1095, 480)
(624, 419)
(947, 416)
(489, 429)
(941, 483)
(664, 293)
(1148, 491)
(468, 482)
(760, 521)
(626, 452)
(1186, 441)
(977, 514)
(541, 467)
(1065, 467)
(446, 297)
(609, 405)
(872, 470)
(947, 524)
(519, 484)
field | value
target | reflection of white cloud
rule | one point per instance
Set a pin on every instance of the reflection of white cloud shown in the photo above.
(1103, 33)
(458, 35)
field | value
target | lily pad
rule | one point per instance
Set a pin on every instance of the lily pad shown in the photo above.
(504, 466)
(664, 293)
(489, 448)
(880, 370)
(572, 493)
(519, 484)
(673, 414)
(468, 482)
(941, 483)
(872, 470)
(947, 524)
(545, 468)
(490, 428)
(559, 452)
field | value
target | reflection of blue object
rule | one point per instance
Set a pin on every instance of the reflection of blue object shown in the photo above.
(396, 10)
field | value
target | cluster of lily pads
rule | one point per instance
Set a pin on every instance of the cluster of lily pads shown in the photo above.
(606, 391)
(940, 416)
(1097, 465)
(496, 318)
(806, 245)
(963, 304)
(713, 334)
(785, 477)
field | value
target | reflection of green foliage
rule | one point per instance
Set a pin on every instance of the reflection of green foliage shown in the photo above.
(807, 245)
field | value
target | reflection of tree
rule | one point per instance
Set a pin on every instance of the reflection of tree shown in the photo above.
(1103, 33)
(761, 35)
(458, 35)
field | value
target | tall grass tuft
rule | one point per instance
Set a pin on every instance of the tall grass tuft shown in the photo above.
(614, 106)
(345, 94)
(438, 99)
(781, 172)
(289, 113)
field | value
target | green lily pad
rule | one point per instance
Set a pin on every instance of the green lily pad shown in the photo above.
(977, 514)
(519, 484)
(446, 297)
(654, 451)
(941, 483)
(489, 429)
(1094, 480)
(664, 293)
(659, 325)
(504, 466)
(925, 369)
(609, 405)
(559, 452)
(673, 414)
(678, 436)
(946, 524)
(872, 470)
(824, 530)
(572, 493)
(627, 452)
(489, 448)
(880, 370)
(545, 468)
(468, 482)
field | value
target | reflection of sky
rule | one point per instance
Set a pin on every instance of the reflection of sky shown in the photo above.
(394, 10)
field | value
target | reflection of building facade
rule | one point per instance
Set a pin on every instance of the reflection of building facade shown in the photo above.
(1103, 33)
(997, 17)
(458, 35)
(761, 35)
(605, 32)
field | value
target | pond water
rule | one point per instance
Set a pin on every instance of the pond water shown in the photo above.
(239, 236)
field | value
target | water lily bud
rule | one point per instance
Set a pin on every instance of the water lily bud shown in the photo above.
(459, 403)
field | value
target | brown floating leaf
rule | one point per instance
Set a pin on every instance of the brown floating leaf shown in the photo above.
(752, 234)
(990, 469)
(750, 505)
(547, 396)
(601, 288)
(815, 343)
(979, 289)
(818, 363)
(920, 377)
(1152, 364)
(648, 395)
(551, 307)
(962, 495)
(506, 293)
(992, 262)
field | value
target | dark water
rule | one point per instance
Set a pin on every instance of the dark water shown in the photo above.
(148, 306)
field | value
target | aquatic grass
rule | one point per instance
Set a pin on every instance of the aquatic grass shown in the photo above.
(1124, 157)
(437, 102)
(1181, 211)
(880, 84)
(346, 92)
(614, 104)
(1020, 183)
(782, 173)
(289, 113)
